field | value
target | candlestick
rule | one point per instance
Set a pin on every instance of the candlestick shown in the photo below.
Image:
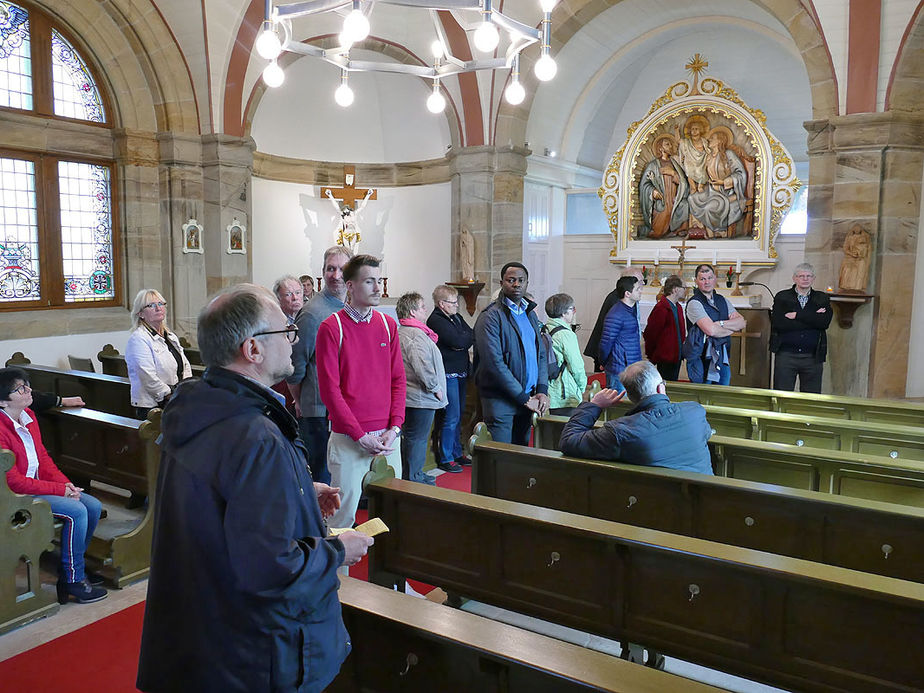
(737, 291)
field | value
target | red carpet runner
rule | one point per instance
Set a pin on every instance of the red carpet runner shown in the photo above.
(103, 656)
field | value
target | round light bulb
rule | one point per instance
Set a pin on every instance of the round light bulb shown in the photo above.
(356, 26)
(268, 44)
(436, 102)
(273, 75)
(437, 49)
(344, 95)
(345, 41)
(514, 93)
(486, 37)
(545, 68)
(547, 5)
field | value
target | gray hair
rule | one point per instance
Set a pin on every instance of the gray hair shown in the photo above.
(803, 267)
(336, 250)
(444, 292)
(143, 298)
(282, 281)
(407, 304)
(641, 379)
(229, 319)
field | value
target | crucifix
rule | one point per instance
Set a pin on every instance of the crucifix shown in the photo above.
(345, 201)
(682, 249)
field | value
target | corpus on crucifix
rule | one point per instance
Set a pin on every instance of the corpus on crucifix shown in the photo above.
(682, 249)
(345, 202)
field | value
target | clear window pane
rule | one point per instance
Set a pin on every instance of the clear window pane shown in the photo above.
(15, 57)
(19, 250)
(796, 220)
(76, 94)
(86, 231)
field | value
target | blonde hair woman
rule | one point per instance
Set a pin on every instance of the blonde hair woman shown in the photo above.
(155, 359)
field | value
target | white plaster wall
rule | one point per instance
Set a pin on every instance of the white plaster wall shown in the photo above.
(387, 123)
(410, 227)
(834, 16)
(53, 351)
(896, 14)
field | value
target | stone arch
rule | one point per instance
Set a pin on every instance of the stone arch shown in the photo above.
(907, 79)
(133, 48)
(569, 18)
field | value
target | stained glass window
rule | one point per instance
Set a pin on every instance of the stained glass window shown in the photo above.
(75, 91)
(15, 57)
(86, 231)
(19, 246)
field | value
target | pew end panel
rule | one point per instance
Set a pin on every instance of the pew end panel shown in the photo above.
(26, 532)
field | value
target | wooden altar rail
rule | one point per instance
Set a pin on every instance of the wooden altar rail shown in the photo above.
(829, 406)
(26, 531)
(810, 469)
(874, 537)
(785, 621)
(113, 362)
(409, 644)
(862, 437)
(107, 393)
(90, 445)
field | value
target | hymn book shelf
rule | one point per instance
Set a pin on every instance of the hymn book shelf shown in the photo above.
(785, 621)
(880, 538)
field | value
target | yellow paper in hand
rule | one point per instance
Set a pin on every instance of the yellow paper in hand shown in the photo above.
(370, 528)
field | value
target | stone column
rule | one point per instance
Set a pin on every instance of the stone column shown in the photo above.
(487, 199)
(865, 169)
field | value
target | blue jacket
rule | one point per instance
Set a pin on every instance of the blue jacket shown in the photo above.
(657, 433)
(243, 588)
(620, 343)
(500, 360)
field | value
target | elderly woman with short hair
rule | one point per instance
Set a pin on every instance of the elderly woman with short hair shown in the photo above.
(426, 383)
(567, 390)
(155, 359)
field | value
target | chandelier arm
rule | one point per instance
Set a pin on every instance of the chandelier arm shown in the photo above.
(435, 4)
(516, 27)
(301, 9)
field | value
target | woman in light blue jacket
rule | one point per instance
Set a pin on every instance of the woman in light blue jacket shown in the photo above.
(567, 390)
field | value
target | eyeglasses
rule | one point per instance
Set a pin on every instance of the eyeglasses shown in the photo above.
(451, 303)
(155, 304)
(291, 333)
(22, 388)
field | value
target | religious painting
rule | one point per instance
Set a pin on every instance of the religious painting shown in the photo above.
(236, 238)
(700, 166)
(192, 237)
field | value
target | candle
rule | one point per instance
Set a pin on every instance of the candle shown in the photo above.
(738, 266)
(713, 258)
(657, 257)
(628, 260)
(384, 269)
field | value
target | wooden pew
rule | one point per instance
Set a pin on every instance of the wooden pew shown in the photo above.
(26, 532)
(405, 643)
(810, 469)
(785, 621)
(828, 406)
(108, 393)
(114, 363)
(880, 538)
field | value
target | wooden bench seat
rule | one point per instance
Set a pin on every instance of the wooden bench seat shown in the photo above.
(410, 644)
(26, 531)
(785, 621)
(880, 538)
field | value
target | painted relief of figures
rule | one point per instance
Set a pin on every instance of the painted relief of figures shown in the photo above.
(696, 180)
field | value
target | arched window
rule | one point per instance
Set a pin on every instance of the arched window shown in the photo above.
(58, 239)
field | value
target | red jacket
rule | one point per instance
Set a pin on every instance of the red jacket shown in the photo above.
(50, 481)
(661, 344)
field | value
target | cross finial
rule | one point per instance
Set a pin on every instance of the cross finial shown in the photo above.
(696, 65)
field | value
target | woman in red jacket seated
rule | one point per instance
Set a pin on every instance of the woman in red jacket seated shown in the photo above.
(35, 474)
(666, 330)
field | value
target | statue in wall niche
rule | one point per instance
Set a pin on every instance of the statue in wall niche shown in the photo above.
(467, 255)
(854, 272)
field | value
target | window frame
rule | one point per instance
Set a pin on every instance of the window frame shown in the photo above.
(47, 198)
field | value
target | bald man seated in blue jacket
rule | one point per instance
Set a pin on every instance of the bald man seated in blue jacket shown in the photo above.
(657, 432)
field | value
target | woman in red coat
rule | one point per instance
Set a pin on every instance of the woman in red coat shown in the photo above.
(35, 474)
(666, 330)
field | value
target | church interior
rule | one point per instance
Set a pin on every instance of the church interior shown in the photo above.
(192, 173)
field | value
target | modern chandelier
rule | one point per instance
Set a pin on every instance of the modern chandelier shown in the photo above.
(276, 37)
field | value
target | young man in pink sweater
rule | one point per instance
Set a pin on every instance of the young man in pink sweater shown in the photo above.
(362, 384)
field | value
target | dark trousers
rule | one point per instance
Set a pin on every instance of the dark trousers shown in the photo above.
(314, 432)
(449, 421)
(414, 435)
(669, 371)
(789, 365)
(507, 421)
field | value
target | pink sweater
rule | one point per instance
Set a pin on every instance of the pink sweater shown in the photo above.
(361, 380)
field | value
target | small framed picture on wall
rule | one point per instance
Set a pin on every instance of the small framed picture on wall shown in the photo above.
(192, 237)
(237, 238)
